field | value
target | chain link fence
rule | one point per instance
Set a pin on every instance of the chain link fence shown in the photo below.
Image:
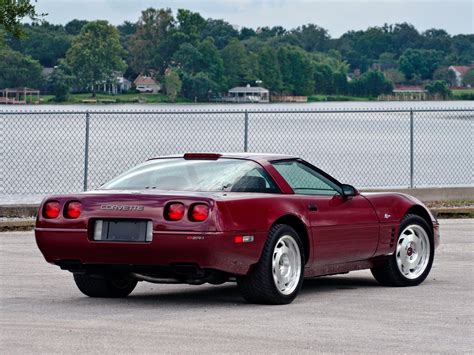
(56, 152)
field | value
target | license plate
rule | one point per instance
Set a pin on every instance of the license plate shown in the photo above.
(123, 230)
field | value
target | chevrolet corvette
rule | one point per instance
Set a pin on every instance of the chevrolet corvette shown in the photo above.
(264, 221)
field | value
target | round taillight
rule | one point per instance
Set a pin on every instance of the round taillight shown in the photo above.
(174, 211)
(73, 209)
(199, 212)
(51, 209)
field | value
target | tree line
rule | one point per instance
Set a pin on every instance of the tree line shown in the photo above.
(194, 57)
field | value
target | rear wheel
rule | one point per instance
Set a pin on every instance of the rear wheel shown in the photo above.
(278, 276)
(411, 262)
(115, 286)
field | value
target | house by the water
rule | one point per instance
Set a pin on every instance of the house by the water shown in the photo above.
(247, 94)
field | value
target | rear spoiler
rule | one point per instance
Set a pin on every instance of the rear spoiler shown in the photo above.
(202, 156)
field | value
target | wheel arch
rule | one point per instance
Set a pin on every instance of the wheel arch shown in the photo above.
(421, 211)
(298, 225)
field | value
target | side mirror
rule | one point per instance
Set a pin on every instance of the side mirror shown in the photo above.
(348, 191)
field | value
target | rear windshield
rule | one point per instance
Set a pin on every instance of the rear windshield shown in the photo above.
(178, 174)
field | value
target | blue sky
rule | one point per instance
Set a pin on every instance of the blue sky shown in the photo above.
(338, 16)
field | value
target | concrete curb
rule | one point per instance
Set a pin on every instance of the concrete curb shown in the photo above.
(18, 211)
(17, 225)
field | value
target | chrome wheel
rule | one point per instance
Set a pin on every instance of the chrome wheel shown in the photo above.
(286, 265)
(413, 251)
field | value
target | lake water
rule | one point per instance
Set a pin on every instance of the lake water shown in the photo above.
(43, 152)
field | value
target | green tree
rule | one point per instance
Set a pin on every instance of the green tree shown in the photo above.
(468, 78)
(323, 76)
(172, 85)
(96, 55)
(296, 70)
(18, 70)
(236, 61)
(341, 85)
(60, 84)
(439, 88)
(150, 46)
(436, 39)
(211, 60)
(462, 49)
(45, 42)
(191, 24)
(372, 42)
(420, 62)
(404, 36)
(74, 27)
(198, 87)
(269, 69)
(220, 31)
(312, 37)
(188, 58)
(11, 14)
(246, 33)
(371, 83)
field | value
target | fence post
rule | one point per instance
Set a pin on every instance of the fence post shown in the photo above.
(246, 131)
(86, 152)
(411, 149)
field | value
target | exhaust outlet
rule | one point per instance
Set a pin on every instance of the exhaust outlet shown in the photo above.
(156, 280)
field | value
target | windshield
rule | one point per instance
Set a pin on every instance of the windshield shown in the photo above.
(178, 174)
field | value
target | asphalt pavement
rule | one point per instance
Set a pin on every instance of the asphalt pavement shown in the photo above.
(41, 311)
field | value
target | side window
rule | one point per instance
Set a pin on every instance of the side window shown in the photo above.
(304, 180)
(255, 180)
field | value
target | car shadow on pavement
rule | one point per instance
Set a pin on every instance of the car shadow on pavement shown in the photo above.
(207, 295)
(335, 283)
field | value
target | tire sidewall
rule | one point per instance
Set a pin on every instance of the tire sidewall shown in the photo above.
(410, 220)
(275, 236)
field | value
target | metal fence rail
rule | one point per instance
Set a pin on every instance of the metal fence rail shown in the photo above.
(53, 152)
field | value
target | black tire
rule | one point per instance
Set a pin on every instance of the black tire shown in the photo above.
(389, 274)
(259, 286)
(116, 286)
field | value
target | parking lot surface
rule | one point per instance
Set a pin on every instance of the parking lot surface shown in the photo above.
(41, 311)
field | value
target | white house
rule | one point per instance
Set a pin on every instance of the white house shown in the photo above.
(117, 85)
(248, 94)
(145, 83)
(459, 71)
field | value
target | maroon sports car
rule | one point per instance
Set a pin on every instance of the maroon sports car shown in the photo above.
(265, 221)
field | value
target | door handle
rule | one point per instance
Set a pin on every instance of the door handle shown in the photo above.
(312, 207)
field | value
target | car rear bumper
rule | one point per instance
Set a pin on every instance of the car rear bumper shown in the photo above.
(207, 250)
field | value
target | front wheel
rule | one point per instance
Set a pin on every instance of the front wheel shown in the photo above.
(411, 262)
(114, 286)
(278, 276)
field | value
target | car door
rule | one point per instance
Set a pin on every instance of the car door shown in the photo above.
(343, 229)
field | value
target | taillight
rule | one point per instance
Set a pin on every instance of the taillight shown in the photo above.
(174, 211)
(51, 209)
(73, 209)
(199, 212)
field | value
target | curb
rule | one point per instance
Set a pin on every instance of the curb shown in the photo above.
(18, 211)
(17, 225)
